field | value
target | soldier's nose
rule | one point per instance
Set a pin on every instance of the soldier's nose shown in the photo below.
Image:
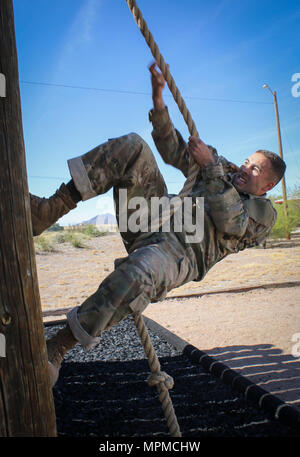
(245, 169)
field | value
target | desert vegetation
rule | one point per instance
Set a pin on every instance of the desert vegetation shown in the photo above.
(279, 228)
(76, 236)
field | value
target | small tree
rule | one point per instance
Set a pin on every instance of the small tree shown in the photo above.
(55, 228)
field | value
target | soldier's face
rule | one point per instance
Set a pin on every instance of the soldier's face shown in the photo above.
(255, 175)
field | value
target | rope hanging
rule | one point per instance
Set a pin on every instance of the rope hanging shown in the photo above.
(162, 381)
(194, 167)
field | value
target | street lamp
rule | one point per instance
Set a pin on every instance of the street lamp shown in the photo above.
(265, 86)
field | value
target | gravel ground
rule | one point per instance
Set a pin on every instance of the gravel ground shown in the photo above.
(103, 393)
(119, 344)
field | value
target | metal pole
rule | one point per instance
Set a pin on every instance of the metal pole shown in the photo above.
(285, 206)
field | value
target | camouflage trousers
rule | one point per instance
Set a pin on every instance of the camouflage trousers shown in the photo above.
(159, 263)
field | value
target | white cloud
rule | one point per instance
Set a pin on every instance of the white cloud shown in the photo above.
(81, 32)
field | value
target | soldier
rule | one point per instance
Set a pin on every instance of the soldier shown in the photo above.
(237, 215)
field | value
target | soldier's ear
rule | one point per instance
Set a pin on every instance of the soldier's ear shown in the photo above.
(268, 186)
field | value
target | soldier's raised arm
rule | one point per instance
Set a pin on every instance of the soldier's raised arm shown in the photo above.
(168, 140)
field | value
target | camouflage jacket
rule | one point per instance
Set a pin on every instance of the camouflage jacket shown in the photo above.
(233, 221)
(46, 211)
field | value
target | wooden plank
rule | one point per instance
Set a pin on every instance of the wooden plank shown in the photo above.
(26, 400)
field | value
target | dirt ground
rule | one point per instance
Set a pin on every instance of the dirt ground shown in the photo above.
(69, 275)
(256, 332)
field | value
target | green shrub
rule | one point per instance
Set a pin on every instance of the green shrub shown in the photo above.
(279, 229)
(44, 243)
(77, 241)
(91, 231)
(76, 236)
(73, 237)
(55, 228)
(61, 237)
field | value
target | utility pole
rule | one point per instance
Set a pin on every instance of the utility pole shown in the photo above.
(285, 205)
(26, 400)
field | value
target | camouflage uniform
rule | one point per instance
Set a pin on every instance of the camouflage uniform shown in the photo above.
(233, 221)
(159, 262)
(46, 211)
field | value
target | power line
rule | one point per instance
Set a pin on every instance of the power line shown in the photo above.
(68, 86)
(66, 179)
(118, 91)
(48, 177)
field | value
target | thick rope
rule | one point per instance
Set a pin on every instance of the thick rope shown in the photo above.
(158, 378)
(162, 381)
(194, 167)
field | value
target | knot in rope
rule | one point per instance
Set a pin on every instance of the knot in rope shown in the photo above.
(160, 377)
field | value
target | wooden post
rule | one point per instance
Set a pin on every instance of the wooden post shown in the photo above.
(26, 400)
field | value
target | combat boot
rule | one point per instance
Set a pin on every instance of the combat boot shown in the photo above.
(46, 211)
(57, 346)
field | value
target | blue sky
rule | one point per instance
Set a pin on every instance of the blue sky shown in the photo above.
(220, 54)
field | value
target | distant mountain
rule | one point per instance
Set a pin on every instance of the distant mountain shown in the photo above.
(101, 219)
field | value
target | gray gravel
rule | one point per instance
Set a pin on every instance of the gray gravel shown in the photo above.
(120, 343)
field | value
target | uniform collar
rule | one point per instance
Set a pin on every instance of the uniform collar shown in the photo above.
(256, 196)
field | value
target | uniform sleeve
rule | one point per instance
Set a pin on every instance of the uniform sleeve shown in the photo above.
(225, 204)
(256, 232)
(46, 211)
(262, 217)
(169, 141)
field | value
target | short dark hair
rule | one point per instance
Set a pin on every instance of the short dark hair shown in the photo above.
(278, 165)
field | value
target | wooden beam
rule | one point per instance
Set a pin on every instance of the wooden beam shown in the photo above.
(26, 400)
